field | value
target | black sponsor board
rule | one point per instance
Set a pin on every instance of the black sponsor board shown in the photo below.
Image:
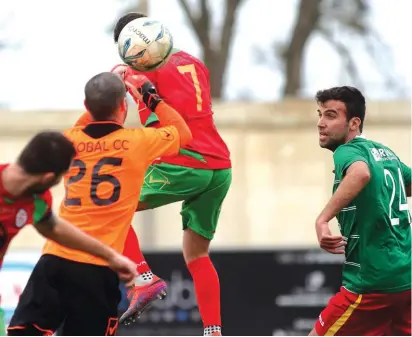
(278, 292)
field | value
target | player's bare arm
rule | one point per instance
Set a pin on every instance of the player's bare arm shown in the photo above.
(356, 178)
(66, 234)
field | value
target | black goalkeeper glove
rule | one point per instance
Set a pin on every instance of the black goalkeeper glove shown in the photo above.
(149, 95)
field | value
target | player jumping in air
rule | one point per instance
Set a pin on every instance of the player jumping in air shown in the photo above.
(71, 289)
(200, 176)
(370, 191)
(25, 198)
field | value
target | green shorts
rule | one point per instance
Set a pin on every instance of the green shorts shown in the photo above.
(202, 193)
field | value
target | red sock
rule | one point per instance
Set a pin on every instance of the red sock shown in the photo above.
(133, 252)
(207, 289)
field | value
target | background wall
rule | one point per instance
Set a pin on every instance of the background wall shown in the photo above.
(281, 177)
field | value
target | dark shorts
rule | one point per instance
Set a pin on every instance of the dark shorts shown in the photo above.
(79, 298)
(350, 314)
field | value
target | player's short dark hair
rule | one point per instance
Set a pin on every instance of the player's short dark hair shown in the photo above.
(123, 21)
(352, 98)
(104, 94)
(47, 151)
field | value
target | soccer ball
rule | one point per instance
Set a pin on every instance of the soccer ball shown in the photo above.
(145, 45)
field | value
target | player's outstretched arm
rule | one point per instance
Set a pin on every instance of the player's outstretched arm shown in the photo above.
(142, 89)
(66, 234)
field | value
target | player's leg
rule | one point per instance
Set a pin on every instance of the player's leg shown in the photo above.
(133, 252)
(90, 295)
(200, 216)
(39, 311)
(148, 286)
(350, 314)
(401, 315)
(164, 184)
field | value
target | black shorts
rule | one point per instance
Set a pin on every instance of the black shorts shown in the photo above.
(80, 298)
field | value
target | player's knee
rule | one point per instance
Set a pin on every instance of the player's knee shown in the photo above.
(195, 246)
(190, 257)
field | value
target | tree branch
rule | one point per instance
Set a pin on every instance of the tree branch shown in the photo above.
(200, 25)
(305, 24)
(188, 13)
(347, 59)
(204, 24)
(215, 56)
(228, 24)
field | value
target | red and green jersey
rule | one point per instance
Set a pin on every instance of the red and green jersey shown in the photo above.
(377, 223)
(183, 83)
(16, 213)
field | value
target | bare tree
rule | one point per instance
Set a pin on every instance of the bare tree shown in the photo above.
(215, 53)
(306, 22)
(332, 20)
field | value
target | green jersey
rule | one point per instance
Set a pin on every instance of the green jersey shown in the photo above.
(377, 222)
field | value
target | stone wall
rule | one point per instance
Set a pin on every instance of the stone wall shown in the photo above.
(281, 178)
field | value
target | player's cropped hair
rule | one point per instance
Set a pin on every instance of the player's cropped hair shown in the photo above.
(123, 21)
(352, 97)
(47, 151)
(103, 95)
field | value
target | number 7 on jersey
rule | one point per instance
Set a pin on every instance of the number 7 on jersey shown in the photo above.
(190, 68)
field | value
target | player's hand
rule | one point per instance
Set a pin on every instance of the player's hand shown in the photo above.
(125, 269)
(142, 90)
(133, 84)
(120, 70)
(334, 244)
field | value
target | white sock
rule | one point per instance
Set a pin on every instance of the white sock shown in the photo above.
(211, 329)
(144, 278)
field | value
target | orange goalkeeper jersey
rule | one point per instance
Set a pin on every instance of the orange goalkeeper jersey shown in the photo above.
(104, 181)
